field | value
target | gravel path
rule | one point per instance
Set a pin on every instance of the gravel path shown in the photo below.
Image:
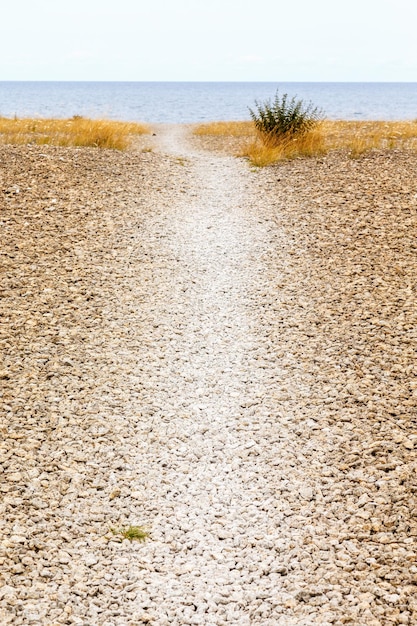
(224, 356)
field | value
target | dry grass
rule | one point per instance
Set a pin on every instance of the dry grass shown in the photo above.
(77, 131)
(360, 137)
(226, 129)
(264, 151)
(355, 137)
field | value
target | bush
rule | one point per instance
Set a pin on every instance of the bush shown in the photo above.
(282, 118)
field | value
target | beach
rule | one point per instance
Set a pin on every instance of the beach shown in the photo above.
(223, 356)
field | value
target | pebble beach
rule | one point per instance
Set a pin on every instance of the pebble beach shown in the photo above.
(223, 356)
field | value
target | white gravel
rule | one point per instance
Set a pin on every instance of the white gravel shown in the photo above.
(178, 357)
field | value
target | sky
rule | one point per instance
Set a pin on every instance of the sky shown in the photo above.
(209, 40)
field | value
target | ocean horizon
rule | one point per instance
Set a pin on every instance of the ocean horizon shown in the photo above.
(192, 102)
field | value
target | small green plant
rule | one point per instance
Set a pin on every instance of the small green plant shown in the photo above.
(133, 533)
(282, 119)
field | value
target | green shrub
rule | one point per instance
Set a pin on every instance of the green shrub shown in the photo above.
(283, 118)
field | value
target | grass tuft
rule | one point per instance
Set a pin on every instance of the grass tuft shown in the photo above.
(77, 131)
(133, 533)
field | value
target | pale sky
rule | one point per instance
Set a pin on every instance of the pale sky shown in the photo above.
(209, 40)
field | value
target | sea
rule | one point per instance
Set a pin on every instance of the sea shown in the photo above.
(191, 102)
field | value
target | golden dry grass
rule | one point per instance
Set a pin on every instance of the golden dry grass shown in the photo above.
(77, 131)
(360, 137)
(226, 129)
(355, 137)
(264, 151)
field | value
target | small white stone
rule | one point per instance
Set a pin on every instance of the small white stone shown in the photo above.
(90, 560)
(18, 539)
(306, 493)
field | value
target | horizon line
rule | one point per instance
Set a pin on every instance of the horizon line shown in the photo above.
(85, 80)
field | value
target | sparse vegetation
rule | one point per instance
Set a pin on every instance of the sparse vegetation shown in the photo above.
(223, 129)
(133, 533)
(360, 137)
(76, 131)
(242, 139)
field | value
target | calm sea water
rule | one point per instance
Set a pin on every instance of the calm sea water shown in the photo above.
(199, 102)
